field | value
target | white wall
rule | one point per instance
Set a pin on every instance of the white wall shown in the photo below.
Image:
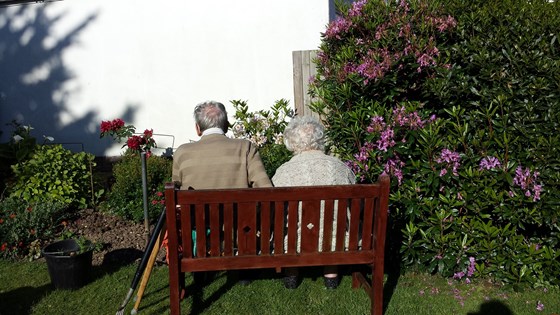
(67, 65)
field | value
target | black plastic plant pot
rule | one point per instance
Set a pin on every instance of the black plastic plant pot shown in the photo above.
(69, 269)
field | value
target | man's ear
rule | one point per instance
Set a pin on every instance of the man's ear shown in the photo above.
(198, 132)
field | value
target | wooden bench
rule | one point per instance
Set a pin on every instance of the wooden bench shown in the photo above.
(247, 229)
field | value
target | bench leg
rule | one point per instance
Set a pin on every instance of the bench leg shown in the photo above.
(377, 288)
(174, 289)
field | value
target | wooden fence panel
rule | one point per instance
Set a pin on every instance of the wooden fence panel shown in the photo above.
(304, 69)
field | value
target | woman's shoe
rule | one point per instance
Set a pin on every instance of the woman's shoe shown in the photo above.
(331, 283)
(290, 282)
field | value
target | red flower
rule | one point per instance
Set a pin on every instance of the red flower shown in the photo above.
(118, 130)
(111, 126)
(159, 194)
(4, 246)
(29, 209)
(117, 124)
(13, 215)
(134, 142)
(1, 221)
(105, 126)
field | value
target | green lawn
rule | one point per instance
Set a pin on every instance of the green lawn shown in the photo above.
(25, 289)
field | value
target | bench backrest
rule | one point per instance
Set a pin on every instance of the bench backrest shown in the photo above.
(258, 227)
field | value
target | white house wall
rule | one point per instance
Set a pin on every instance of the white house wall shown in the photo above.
(67, 65)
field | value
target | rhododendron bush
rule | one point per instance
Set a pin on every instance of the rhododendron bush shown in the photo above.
(459, 102)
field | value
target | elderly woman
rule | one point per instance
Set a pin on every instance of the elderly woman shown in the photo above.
(309, 166)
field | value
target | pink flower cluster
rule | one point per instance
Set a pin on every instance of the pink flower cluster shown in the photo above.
(489, 163)
(338, 27)
(387, 135)
(471, 268)
(449, 159)
(528, 182)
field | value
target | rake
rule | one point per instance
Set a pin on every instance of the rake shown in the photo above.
(149, 248)
(147, 272)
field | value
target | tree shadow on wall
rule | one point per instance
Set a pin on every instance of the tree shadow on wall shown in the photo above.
(35, 84)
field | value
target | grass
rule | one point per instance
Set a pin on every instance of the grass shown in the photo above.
(25, 289)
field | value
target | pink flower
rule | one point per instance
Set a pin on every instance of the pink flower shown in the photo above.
(489, 163)
(540, 306)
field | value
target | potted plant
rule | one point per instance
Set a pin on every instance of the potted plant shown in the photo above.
(69, 262)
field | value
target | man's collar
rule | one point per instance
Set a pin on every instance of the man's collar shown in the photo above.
(213, 131)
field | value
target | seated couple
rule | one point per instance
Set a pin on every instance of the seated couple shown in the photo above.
(219, 162)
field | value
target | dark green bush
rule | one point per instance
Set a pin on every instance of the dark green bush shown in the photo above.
(54, 173)
(18, 149)
(25, 225)
(457, 101)
(126, 197)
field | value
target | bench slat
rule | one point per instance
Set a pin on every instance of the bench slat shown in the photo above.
(292, 226)
(328, 220)
(309, 226)
(274, 261)
(341, 224)
(367, 224)
(246, 228)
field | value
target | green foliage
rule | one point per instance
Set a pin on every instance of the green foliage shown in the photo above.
(54, 173)
(264, 128)
(84, 243)
(19, 148)
(24, 225)
(125, 196)
(456, 100)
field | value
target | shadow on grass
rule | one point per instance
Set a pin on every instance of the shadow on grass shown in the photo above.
(393, 275)
(493, 307)
(115, 260)
(21, 300)
(200, 303)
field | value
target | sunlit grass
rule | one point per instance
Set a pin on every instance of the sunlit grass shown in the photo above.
(25, 289)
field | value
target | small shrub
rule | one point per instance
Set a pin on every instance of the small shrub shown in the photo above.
(25, 225)
(54, 173)
(18, 149)
(265, 128)
(125, 196)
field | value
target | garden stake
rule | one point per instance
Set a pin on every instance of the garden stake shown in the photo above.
(147, 272)
(145, 193)
(143, 262)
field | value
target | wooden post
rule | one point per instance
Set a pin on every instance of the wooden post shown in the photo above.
(304, 69)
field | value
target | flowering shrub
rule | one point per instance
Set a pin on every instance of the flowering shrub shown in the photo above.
(23, 224)
(265, 128)
(136, 143)
(125, 196)
(424, 91)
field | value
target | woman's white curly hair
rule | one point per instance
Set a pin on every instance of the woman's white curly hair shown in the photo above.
(303, 134)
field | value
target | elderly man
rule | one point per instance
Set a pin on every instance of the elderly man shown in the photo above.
(216, 161)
